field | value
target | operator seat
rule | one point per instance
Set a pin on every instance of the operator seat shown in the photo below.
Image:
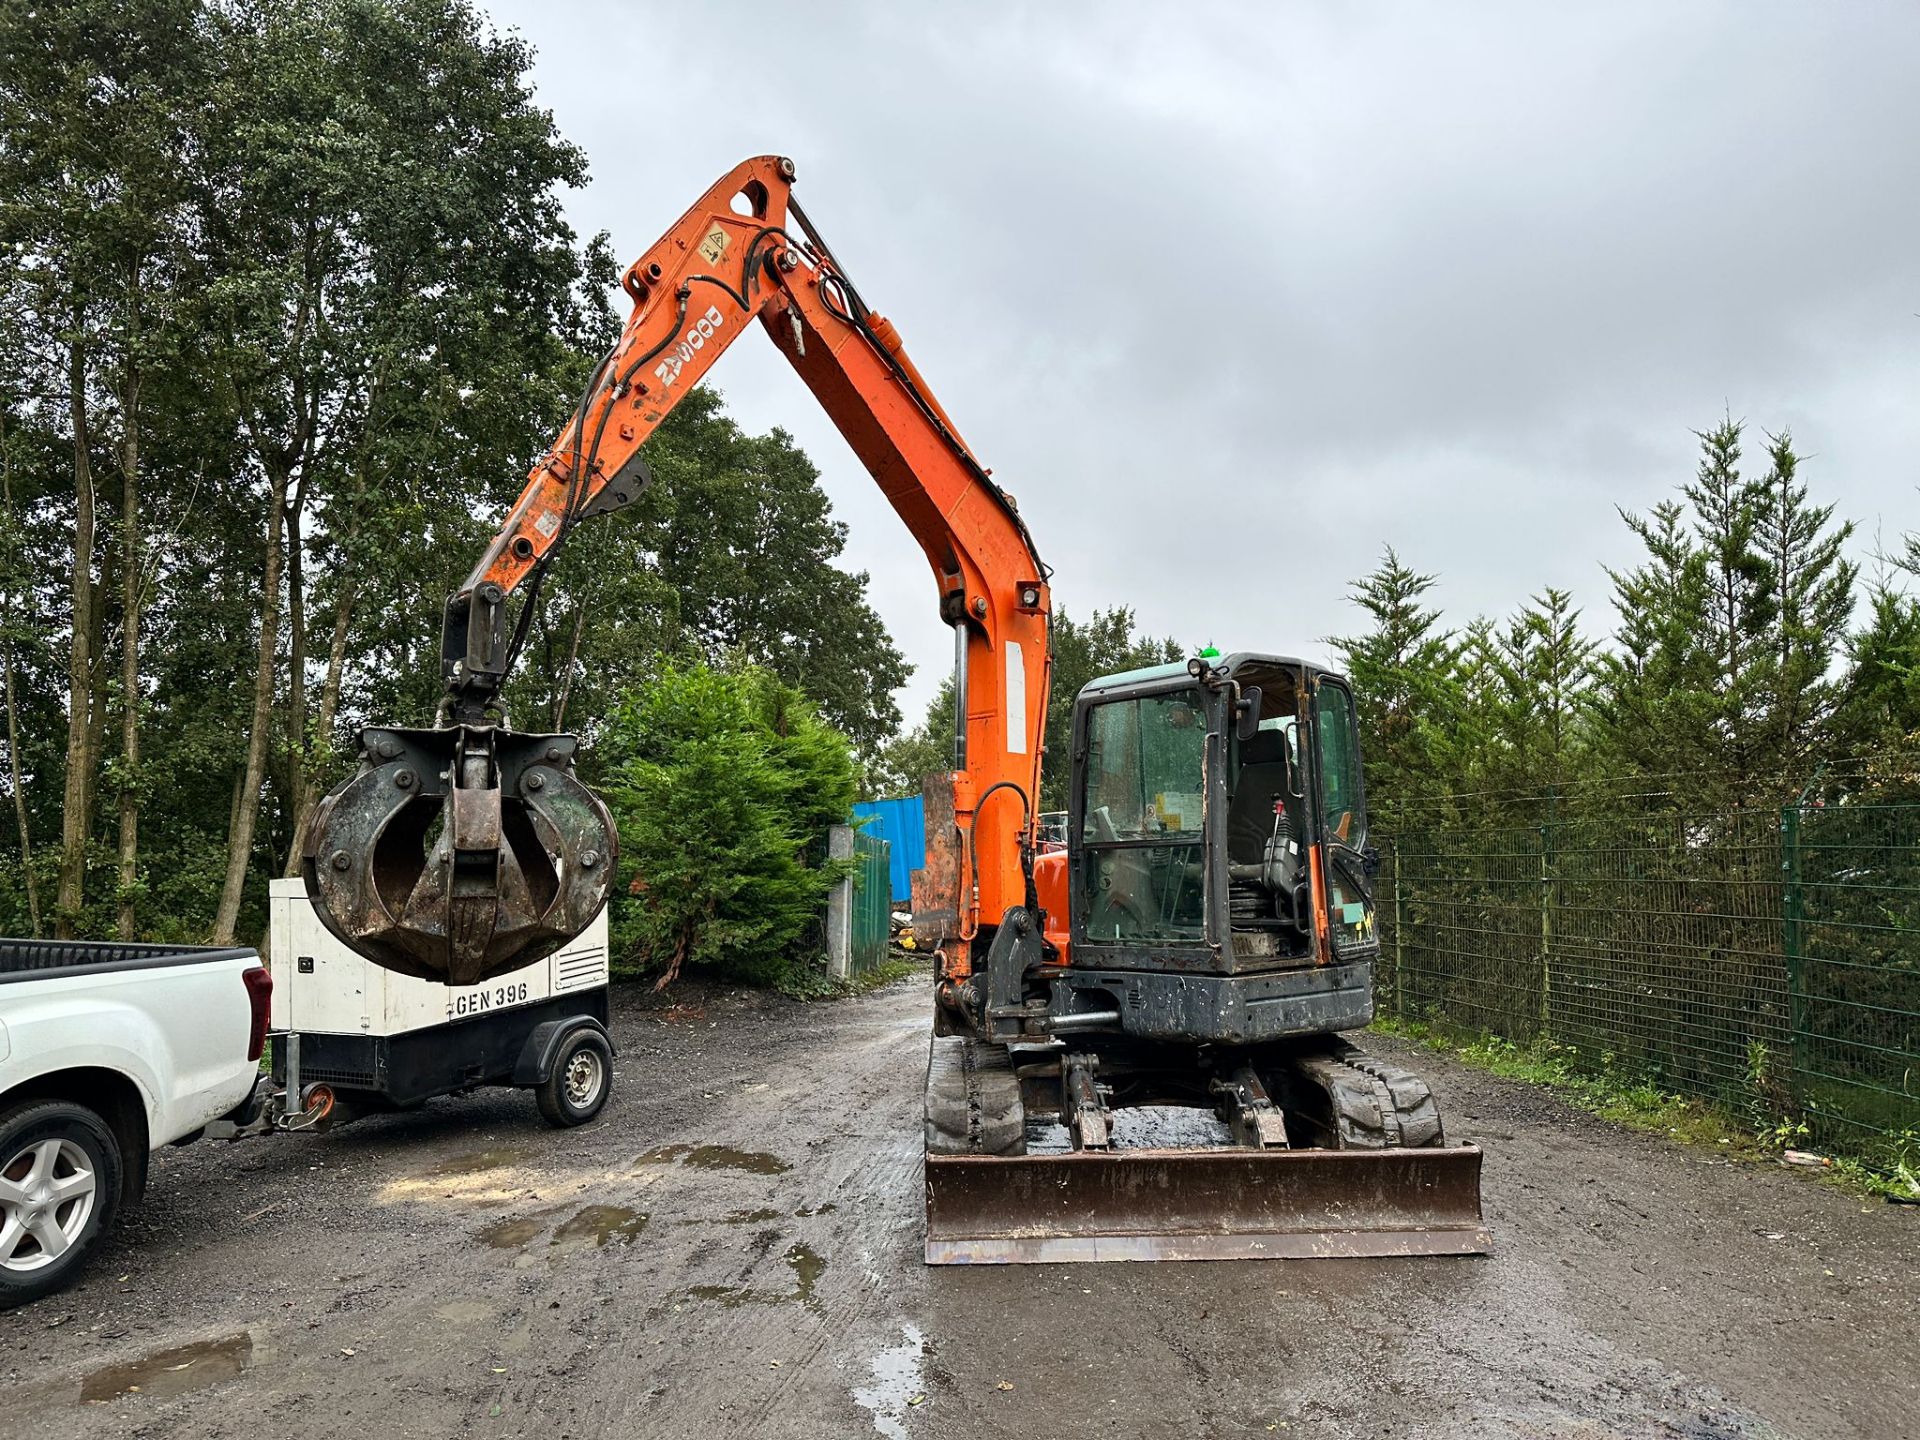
(1261, 785)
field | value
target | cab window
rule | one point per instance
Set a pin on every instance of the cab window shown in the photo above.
(1341, 807)
(1141, 870)
(1145, 768)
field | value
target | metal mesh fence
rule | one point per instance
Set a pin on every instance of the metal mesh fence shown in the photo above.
(872, 903)
(1763, 958)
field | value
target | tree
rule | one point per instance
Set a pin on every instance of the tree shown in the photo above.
(927, 749)
(95, 125)
(1657, 706)
(1741, 606)
(723, 782)
(738, 528)
(1812, 585)
(1474, 752)
(1877, 718)
(1403, 680)
(288, 308)
(393, 275)
(13, 583)
(1545, 671)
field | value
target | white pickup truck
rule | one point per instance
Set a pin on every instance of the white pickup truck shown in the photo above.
(107, 1052)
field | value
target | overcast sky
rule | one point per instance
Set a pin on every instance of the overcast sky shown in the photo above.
(1231, 297)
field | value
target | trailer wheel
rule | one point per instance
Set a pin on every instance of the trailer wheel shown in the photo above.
(580, 1080)
(60, 1176)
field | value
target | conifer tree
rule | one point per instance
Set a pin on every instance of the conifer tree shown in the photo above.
(1812, 584)
(1402, 672)
(1656, 708)
(1741, 609)
(1546, 672)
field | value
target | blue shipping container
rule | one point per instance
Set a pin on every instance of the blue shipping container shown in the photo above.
(903, 825)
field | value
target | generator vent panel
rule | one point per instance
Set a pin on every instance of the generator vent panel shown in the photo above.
(580, 966)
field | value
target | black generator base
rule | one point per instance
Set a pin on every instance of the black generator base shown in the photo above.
(406, 1069)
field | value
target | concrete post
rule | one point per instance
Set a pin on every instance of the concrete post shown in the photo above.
(840, 906)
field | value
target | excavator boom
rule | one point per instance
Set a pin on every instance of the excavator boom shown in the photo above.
(431, 861)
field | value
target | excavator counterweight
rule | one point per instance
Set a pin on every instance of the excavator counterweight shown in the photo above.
(1135, 1048)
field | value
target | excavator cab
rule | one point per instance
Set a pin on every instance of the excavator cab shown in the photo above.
(1218, 875)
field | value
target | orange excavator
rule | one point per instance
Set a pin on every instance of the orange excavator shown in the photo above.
(1136, 1047)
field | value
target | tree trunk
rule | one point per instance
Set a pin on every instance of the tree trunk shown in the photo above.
(130, 561)
(323, 722)
(20, 794)
(299, 761)
(573, 656)
(76, 823)
(17, 775)
(247, 812)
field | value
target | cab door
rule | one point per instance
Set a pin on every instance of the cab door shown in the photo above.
(1345, 861)
(1138, 847)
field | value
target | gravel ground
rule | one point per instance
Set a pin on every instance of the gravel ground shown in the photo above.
(733, 1250)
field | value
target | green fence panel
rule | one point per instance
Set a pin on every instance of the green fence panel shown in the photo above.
(1853, 930)
(1763, 958)
(872, 910)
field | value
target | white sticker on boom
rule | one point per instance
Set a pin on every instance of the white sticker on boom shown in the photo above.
(546, 522)
(714, 246)
(1016, 699)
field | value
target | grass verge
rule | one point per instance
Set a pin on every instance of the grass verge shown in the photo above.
(897, 966)
(1637, 1103)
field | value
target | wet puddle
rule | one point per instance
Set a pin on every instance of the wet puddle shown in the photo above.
(759, 1217)
(807, 1267)
(897, 1386)
(588, 1228)
(167, 1373)
(715, 1157)
(599, 1225)
(512, 1234)
(474, 1163)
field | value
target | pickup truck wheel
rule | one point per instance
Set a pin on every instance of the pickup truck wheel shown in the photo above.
(579, 1082)
(60, 1169)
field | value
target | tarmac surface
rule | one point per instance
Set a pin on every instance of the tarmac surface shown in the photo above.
(733, 1250)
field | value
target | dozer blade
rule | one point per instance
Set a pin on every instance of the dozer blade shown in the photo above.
(1226, 1204)
(459, 854)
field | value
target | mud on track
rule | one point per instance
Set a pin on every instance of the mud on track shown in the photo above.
(734, 1250)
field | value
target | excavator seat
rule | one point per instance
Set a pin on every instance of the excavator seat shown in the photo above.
(1266, 865)
(1260, 792)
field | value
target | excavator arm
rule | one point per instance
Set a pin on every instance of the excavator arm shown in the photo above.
(469, 850)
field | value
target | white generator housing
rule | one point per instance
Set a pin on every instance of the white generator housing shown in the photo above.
(320, 987)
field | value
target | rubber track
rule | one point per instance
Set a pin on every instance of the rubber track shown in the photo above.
(973, 1099)
(1374, 1105)
(1416, 1115)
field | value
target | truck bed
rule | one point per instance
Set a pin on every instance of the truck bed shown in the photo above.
(37, 959)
